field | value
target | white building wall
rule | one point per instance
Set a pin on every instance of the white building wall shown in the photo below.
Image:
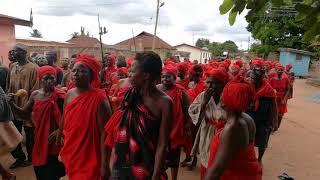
(195, 54)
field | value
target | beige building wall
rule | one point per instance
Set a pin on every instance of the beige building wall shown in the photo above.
(7, 41)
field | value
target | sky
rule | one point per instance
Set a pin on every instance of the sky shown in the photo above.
(180, 21)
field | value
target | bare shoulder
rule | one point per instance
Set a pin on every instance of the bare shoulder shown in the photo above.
(160, 87)
(164, 100)
(247, 118)
(70, 95)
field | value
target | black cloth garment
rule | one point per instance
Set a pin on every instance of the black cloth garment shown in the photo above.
(3, 77)
(18, 153)
(263, 120)
(137, 140)
(53, 170)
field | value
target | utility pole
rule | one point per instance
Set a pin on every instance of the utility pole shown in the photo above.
(101, 32)
(155, 27)
(248, 43)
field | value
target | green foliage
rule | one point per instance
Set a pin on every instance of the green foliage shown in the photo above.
(202, 42)
(36, 33)
(308, 13)
(218, 48)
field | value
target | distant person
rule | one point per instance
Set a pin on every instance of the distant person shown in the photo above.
(282, 86)
(145, 117)
(183, 71)
(110, 70)
(86, 111)
(22, 75)
(121, 62)
(52, 59)
(232, 154)
(263, 109)
(11, 57)
(41, 60)
(46, 105)
(291, 77)
(65, 64)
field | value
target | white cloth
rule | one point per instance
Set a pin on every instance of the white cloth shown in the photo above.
(213, 112)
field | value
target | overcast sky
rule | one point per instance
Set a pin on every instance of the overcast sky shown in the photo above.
(178, 20)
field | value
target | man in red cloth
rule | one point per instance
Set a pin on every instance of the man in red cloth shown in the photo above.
(232, 154)
(183, 69)
(86, 110)
(145, 123)
(206, 113)
(264, 108)
(46, 105)
(181, 124)
(282, 86)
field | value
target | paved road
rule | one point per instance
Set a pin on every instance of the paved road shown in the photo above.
(294, 149)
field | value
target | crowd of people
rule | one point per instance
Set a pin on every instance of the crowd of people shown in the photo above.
(140, 113)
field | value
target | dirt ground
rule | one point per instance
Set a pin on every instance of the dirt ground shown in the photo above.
(294, 149)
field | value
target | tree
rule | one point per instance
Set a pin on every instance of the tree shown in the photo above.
(216, 48)
(35, 33)
(202, 42)
(308, 12)
(229, 46)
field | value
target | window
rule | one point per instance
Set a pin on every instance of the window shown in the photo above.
(298, 57)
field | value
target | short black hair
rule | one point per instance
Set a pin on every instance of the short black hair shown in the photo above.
(121, 63)
(197, 68)
(150, 62)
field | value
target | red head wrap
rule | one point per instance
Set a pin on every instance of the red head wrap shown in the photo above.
(280, 67)
(170, 69)
(183, 67)
(237, 95)
(130, 61)
(288, 66)
(228, 61)
(191, 69)
(219, 74)
(112, 57)
(214, 64)
(44, 70)
(92, 63)
(258, 63)
(236, 66)
(123, 70)
(224, 65)
(269, 63)
(239, 63)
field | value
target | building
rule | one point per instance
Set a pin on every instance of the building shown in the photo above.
(299, 59)
(196, 53)
(74, 46)
(7, 34)
(144, 41)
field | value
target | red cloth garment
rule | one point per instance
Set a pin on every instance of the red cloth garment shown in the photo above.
(46, 116)
(108, 73)
(237, 95)
(288, 67)
(123, 70)
(58, 69)
(177, 136)
(193, 93)
(119, 94)
(112, 128)
(184, 83)
(258, 63)
(44, 70)
(239, 63)
(81, 153)
(265, 91)
(244, 164)
(129, 61)
(183, 67)
(203, 171)
(280, 85)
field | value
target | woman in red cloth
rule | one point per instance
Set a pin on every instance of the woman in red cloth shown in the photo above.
(197, 85)
(145, 117)
(46, 105)
(183, 69)
(110, 70)
(282, 86)
(86, 110)
(232, 154)
(181, 124)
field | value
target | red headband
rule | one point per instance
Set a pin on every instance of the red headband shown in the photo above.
(170, 69)
(92, 63)
(219, 74)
